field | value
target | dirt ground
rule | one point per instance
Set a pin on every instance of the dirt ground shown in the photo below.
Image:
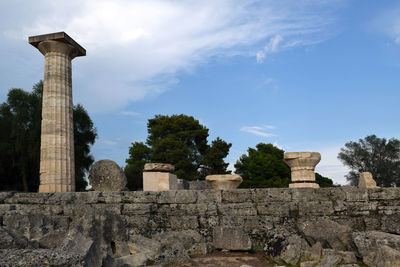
(231, 259)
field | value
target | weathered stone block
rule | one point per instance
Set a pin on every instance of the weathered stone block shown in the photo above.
(183, 222)
(208, 222)
(159, 181)
(324, 230)
(209, 196)
(303, 194)
(166, 197)
(139, 197)
(185, 196)
(316, 208)
(137, 209)
(239, 209)
(388, 193)
(355, 194)
(236, 195)
(271, 195)
(110, 197)
(231, 238)
(61, 198)
(28, 198)
(106, 209)
(329, 194)
(5, 195)
(90, 197)
(273, 208)
(6, 207)
(137, 221)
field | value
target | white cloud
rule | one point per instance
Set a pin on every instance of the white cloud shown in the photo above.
(259, 130)
(271, 47)
(278, 145)
(136, 48)
(108, 142)
(231, 167)
(130, 113)
(260, 56)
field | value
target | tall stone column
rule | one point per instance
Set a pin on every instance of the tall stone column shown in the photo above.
(57, 159)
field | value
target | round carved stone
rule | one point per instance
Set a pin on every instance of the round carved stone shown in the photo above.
(106, 175)
(224, 181)
(158, 167)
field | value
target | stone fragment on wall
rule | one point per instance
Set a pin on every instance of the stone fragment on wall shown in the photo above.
(106, 175)
(366, 180)
(159, 181)
(230, 238)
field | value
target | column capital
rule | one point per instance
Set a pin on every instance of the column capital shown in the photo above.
(57, 42)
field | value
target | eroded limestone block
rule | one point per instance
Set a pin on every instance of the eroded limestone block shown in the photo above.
(302, 165)
(303, 185)
(231, 238)
(366, 180)
(159, 181)
(159, 167)
(106, 175)
(382, 256)
(224, 181)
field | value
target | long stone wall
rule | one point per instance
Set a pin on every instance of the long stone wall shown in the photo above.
(255, 218)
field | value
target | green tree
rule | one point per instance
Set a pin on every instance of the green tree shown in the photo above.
(140, 154)
(323, 181)
(179, 140)
(20, 122)
(378, 156)
(263, 167)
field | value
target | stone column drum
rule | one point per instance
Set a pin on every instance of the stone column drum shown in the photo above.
(302, 165)
(57, 159)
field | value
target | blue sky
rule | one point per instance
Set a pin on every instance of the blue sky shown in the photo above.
(304, 75)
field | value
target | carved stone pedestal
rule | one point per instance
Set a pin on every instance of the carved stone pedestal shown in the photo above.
(302, 165)
(224, 181)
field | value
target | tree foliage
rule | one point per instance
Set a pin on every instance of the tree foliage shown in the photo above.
(179, 140)
(323, 181)
(378, 156)
(20, 124)
(264, 167)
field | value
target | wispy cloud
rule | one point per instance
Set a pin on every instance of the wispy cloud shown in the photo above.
(143, 45)
(108, 142)
(259, 130)
(271, 47)
(130, 113)
(388, 23)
